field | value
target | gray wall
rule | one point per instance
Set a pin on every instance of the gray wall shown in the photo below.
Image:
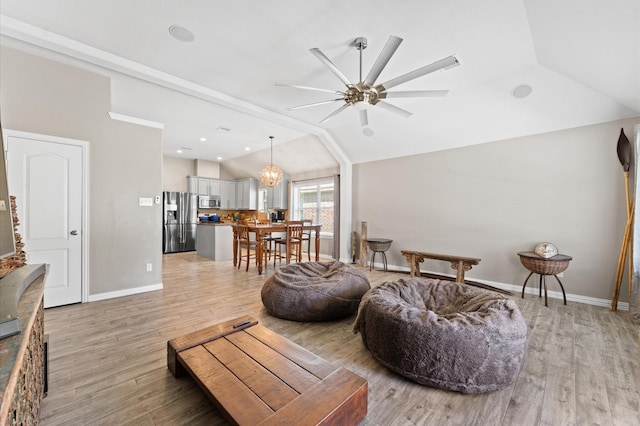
(175, 172)
(496, 199)
(45, 97)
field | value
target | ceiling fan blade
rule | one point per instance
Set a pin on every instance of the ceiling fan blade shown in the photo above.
(314, 104)
(335, 92)
(394, 109)
(334, 113)
(382, 60)
(323, 58)
(413, 94)
(364, 118)
(442, 64)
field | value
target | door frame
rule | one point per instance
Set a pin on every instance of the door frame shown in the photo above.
(84, 145)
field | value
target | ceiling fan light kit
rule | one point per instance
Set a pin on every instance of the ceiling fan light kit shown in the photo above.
(366, 93)
(271, 175)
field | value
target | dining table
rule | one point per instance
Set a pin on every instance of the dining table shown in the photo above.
(260, 229)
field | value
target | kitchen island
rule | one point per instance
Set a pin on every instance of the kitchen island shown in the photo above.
(214, 240)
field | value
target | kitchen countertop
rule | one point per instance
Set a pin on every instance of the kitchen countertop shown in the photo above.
(215, 223)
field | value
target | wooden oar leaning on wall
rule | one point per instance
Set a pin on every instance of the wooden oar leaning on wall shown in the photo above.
(364, 248)
(624, 155)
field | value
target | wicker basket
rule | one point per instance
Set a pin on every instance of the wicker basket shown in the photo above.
(544, 266)
(379, 244)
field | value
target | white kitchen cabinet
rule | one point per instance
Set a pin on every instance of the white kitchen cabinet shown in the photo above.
(192, 184)
(277, 198)
(241, 194)
(203, 186)
(247, 194)
(280, 194)
(214, 187)
(227, 195)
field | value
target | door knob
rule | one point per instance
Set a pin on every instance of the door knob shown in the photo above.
(74, 232)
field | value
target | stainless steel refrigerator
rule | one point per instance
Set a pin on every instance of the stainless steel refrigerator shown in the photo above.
(179, 221)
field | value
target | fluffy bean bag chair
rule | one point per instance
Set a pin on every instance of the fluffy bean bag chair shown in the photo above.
(314, 291)
(444, 334)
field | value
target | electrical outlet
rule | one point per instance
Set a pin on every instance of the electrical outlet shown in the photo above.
(3, 206)
(149, 267)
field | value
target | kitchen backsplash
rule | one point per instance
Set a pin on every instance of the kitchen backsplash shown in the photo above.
(228, 215)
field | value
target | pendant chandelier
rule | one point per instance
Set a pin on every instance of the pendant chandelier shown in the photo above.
(271, 175)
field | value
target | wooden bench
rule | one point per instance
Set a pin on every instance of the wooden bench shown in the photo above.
(459, 263)
(255, 376)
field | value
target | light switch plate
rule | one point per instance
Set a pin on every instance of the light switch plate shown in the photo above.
(158, 199)
(3, 206)
(146, 202)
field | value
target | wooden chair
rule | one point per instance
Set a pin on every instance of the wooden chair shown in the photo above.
(306, 236)
(235, 245)
(269, 238)
(294, 239)
(245, 242)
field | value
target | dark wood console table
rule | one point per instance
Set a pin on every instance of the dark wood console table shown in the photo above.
(22, 359)
(459, 263)
(544, 266)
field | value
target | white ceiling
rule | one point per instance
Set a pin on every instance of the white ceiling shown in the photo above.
(582, 59)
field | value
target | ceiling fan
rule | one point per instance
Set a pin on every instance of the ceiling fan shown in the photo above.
(366, 92)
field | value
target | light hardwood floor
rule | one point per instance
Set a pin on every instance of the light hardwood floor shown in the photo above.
(108, 359)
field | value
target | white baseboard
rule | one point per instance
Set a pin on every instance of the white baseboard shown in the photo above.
(531, 289)
(127, 292)
(517, 289)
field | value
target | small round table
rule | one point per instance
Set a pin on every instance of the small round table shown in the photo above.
(544, 266)
(379, 245)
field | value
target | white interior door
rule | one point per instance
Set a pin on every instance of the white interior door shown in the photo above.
(46, 177)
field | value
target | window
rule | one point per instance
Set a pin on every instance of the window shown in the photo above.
(314, 200)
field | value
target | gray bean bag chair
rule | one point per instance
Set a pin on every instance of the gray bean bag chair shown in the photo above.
(314, 291)
(444, 334)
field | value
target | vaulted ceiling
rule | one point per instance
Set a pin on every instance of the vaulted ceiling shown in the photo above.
(580, 58)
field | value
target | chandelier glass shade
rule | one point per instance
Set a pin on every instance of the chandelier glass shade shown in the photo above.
(271, 175)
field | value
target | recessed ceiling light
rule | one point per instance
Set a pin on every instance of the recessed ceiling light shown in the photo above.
(203, 139)
(181, 33)
(521, 91)
(219, 158)
(179, 151)
(247, 149)
(367, 131)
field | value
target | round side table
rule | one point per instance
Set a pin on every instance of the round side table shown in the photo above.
(379, 245)
(544, 266)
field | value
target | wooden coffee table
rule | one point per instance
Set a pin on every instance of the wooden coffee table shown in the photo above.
(255, 376)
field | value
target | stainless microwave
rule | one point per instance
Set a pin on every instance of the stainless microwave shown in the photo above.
(209, 202)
